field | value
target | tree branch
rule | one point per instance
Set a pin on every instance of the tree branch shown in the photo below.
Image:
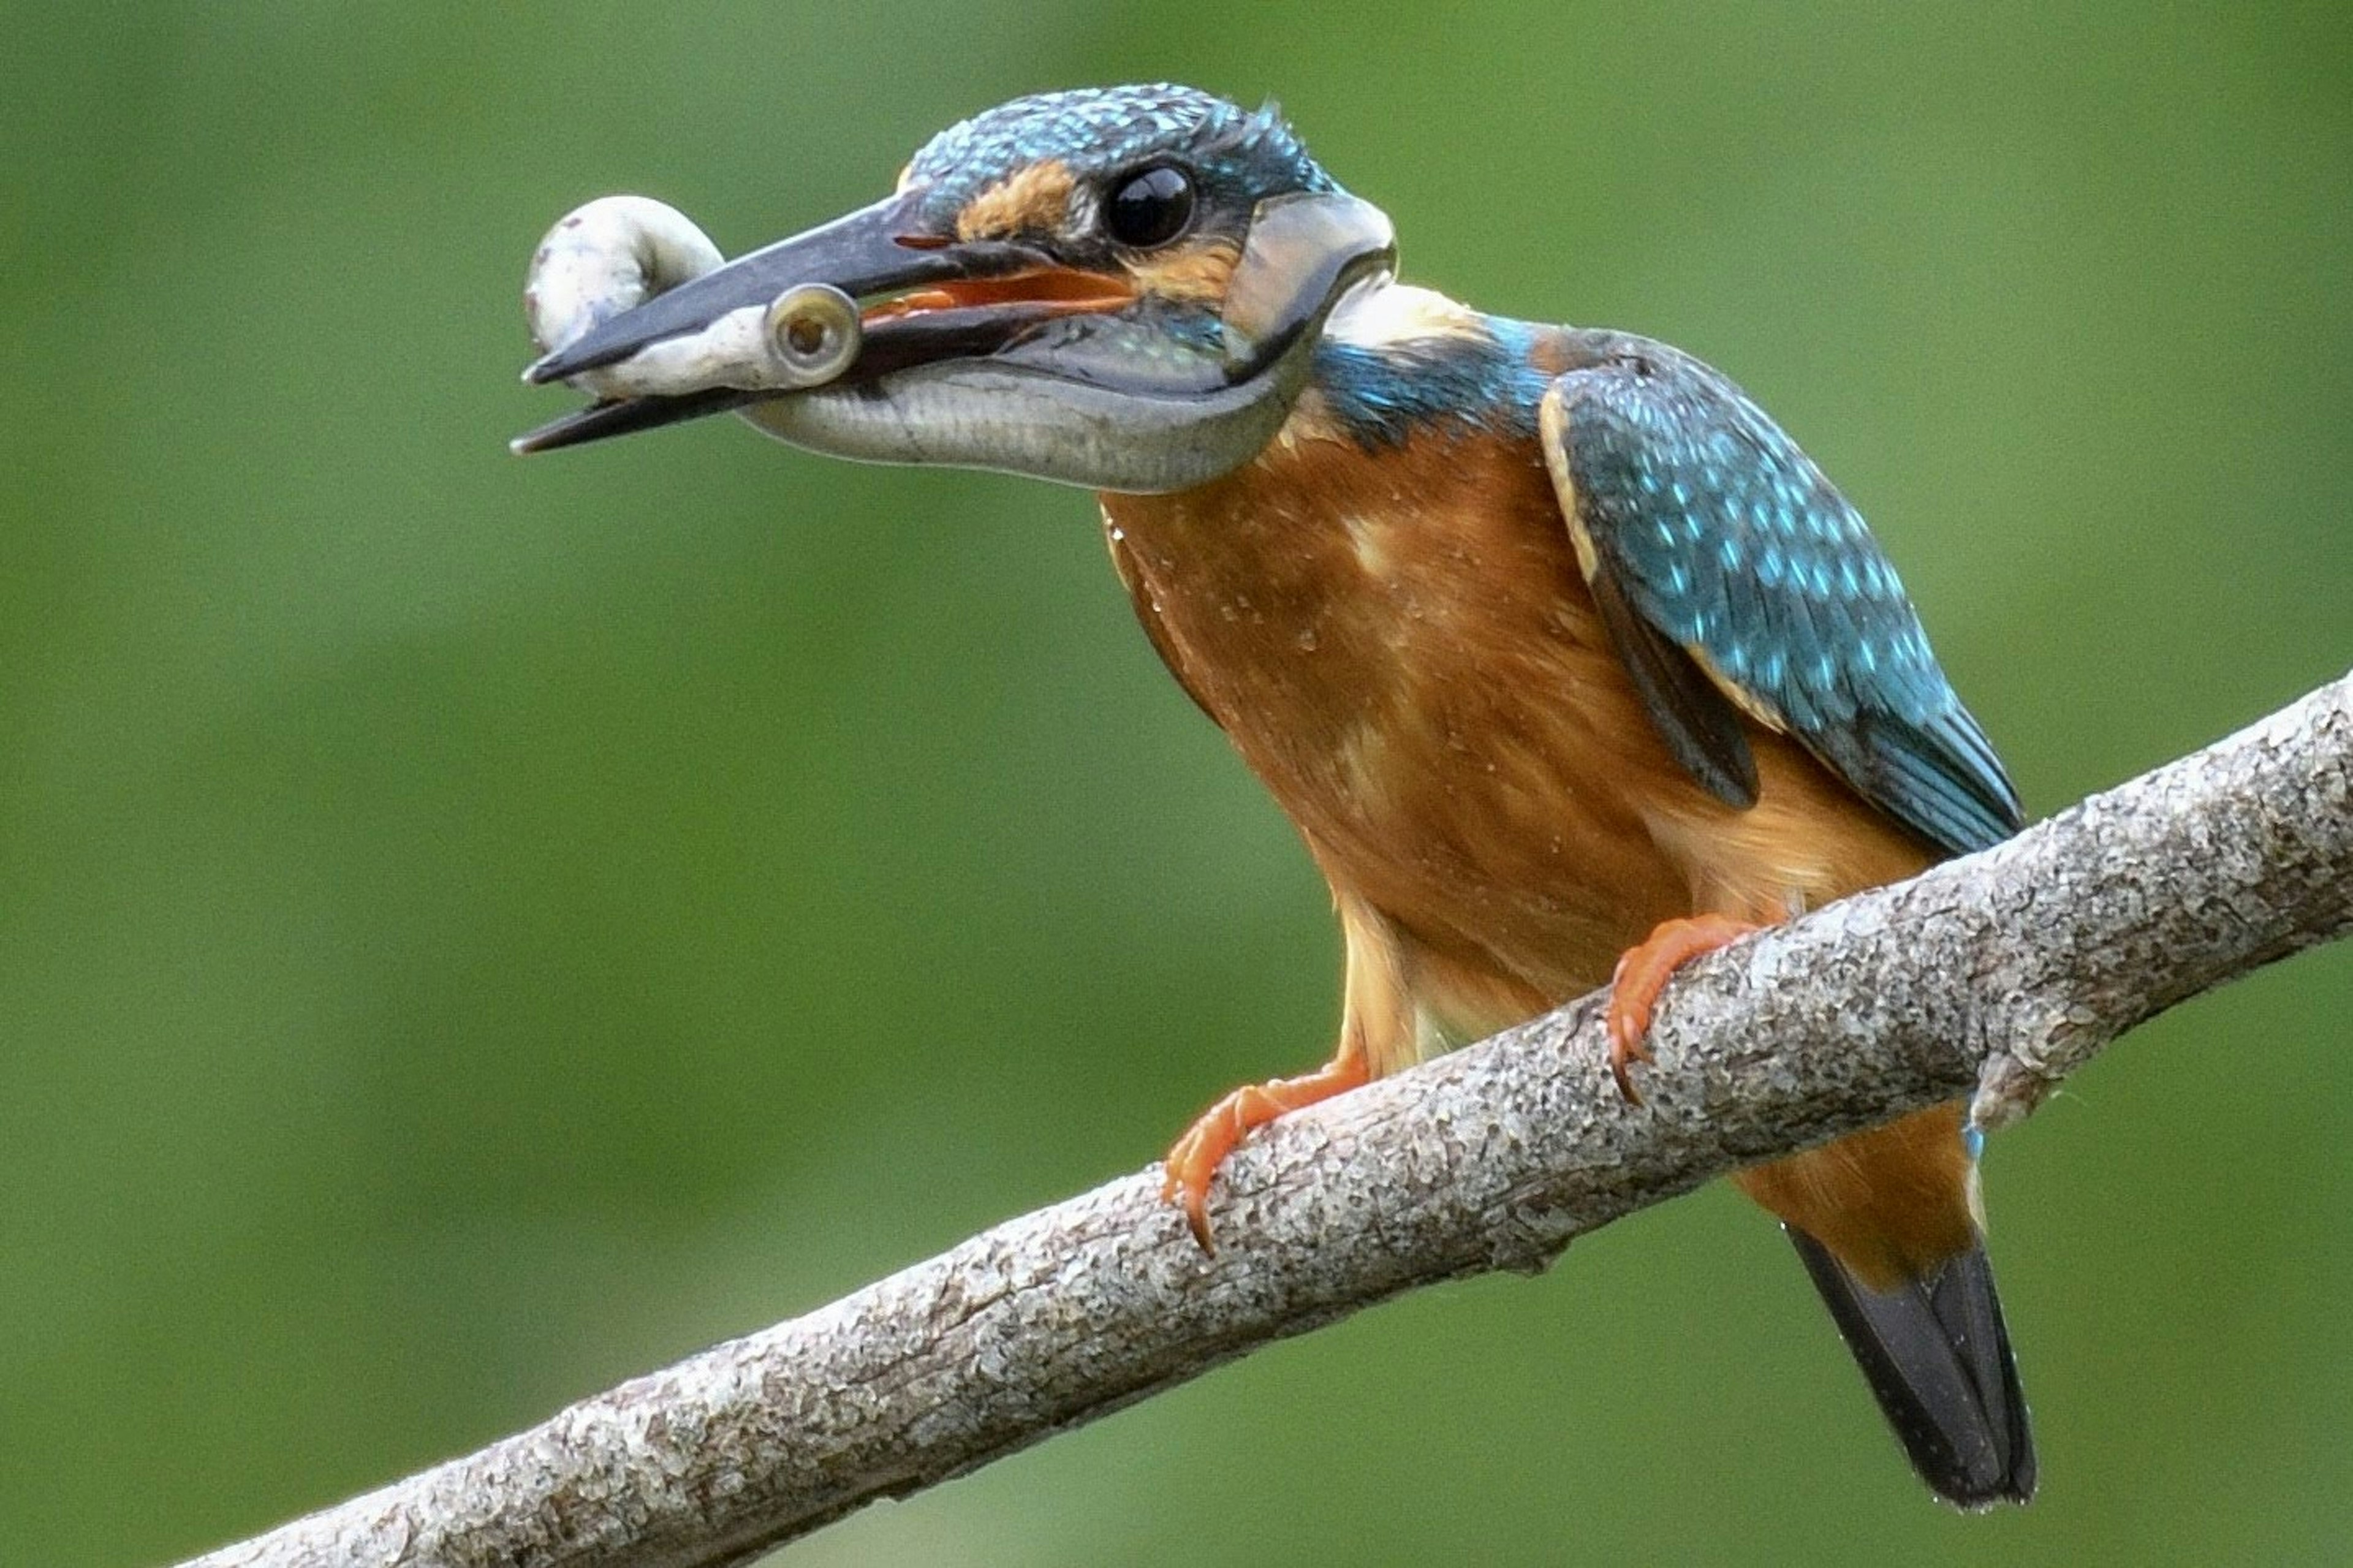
(2004, 971)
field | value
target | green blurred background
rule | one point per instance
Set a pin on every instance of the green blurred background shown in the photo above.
(472, 929)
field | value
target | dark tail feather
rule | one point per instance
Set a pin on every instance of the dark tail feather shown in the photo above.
(1937, 1358)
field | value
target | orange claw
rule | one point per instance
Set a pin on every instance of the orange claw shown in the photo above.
(1642, 972)
(1195, 1159)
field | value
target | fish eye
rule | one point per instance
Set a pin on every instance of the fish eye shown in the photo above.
(1150, 207)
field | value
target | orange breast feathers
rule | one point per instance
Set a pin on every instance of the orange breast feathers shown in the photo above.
(1402, 648)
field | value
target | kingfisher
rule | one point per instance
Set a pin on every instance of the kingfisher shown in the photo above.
(1564, 659)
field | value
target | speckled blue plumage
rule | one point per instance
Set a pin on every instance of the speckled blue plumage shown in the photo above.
(1103, 131)
(1727, 538)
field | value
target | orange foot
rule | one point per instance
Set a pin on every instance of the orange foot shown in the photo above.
(1197, 1154)
(1642, 972)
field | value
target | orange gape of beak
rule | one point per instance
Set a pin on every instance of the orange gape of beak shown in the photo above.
(1060, 286)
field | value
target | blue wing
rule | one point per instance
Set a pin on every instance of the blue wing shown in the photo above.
(1734, 577)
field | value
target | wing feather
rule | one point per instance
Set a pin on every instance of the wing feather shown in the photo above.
(1734, 578)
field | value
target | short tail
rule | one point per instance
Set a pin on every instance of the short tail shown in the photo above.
(1937, 1358)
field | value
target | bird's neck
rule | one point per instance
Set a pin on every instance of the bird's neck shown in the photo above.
(1395, 360)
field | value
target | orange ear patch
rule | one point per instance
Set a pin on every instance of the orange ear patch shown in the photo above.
(1193, 272)
(1033, 200)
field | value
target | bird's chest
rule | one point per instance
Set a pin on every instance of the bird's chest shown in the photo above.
(1402, 648)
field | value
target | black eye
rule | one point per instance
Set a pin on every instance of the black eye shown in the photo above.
(1150, 208)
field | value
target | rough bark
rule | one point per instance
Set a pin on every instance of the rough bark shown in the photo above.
(2000, 973)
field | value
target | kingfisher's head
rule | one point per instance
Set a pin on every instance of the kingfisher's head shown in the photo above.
(1118, 288)
(1136, 180)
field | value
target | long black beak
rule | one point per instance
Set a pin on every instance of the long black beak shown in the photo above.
(977, 353)
(877, 250)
